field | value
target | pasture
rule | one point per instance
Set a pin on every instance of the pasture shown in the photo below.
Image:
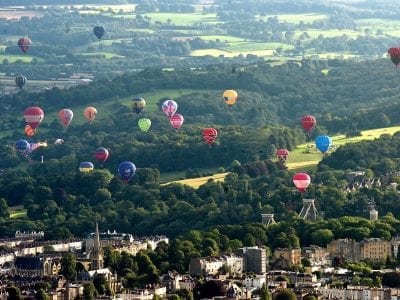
(306, 18)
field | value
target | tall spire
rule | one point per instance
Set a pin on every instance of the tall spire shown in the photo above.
(97, 253)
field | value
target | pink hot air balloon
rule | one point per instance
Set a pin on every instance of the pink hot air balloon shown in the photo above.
(33, 116)
(169, 107)
(176, 121)
(282, 154)
(301, 181)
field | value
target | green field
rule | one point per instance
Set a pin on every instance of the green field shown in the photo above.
(17, 212)
(107, 55)
(12, 58)
(328, 33)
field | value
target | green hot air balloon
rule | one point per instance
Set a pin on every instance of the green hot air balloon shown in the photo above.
(144, 124)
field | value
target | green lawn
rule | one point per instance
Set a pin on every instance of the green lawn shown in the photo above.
(183, 19)
(222, 38)
(255, 46)
(314, 33)
(17, 212)
(13, 58)
(107, 55)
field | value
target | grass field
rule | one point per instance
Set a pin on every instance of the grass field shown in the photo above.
(107, 55)
(12, 58)
(305, 156)
(182, 19)
(17, 212)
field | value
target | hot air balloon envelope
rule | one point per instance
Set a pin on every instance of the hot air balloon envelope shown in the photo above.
(65, 116)
(144, 124)
(394, 55)
(99, 31)
(33, 116)
(323, 143)
(230, 97)
(86, 167)
(210, 135)
(301, 181)
(29, 131)
(282, 154)
(176, 121)
(126, 170)
(23, 146)
(308, 123)
(24, 43)
(20, 81)
(101, 154)
(138, 104)
(169, 107)
(90, 113)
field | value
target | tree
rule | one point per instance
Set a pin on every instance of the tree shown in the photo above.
(322, 237)
(391, 279)
(264, 293)
(68, 266)
(13, 292)
(41, 295)
(285, 294)
(89, 291)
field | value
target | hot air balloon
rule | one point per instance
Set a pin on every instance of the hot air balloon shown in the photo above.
(23, 146)
(20, 81)
(169, 107)
(126, 170)
(323, 143)
(24, 43)
(65, 116)
(34, 146)
(144, 124)
(282, 154)
(176, 121)
(138, 104)
(33, 116)
(395, 55)
(86, 167)
(230, 97)
(29, 131)
(99, 31)
(308, 122)
(301, 181)
(210, 135)
(58, 142)
(90, 113)
(101, 154)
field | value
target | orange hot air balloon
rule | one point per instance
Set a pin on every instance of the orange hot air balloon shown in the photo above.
(230, 97)
(29, 131)
(90, 113)
(65, 116)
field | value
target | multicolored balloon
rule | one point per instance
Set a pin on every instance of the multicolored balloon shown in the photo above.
(144, 124)
(282, 154)
(90, 113)
(99, 31)
(301, 181)
(138, 104)
(86, 167)
(176, 121)
(308, 122)
(24, 43)
(101, 154)
(29, 131)
(169, 107)
(323, 143)
(33, 116)
(20, 81)
(126, 170)
(65, 116)
(210, 135)
(230, 97)
(23, 146)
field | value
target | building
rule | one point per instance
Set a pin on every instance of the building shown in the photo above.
(212, 265)
(28, 235)
(288, 256)
(346, 249)
(375, 249)
(96, 253)
(37, 266)
(255, 281)
(317, 256)
(254, 259)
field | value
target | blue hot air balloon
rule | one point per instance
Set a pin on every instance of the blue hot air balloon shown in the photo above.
(23, 146)
(86, 167)
(126, 170)
(323, 143)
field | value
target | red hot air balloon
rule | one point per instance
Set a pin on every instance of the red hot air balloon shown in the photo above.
(301, 181)
(33, 116)
(176, 121)
(24, 43)
(282, 154)
(395, 55)
(101, 154)
(308, 123)
(210, 135)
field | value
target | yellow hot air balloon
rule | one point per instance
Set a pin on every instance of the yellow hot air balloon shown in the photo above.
(230, 97)
(90, 113)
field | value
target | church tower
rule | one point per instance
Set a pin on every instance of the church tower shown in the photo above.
(97, 251)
